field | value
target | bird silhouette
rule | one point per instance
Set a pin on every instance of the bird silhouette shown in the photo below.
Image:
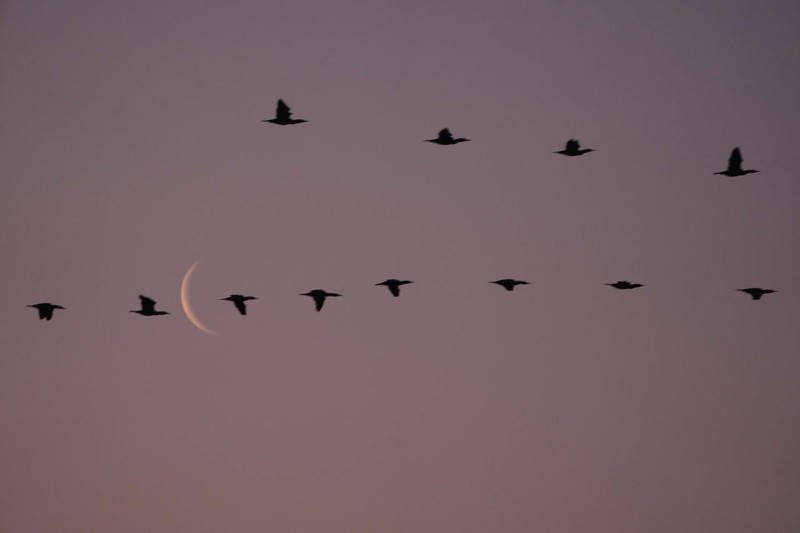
(46, 310)
(394, 285)
(509, 284)
(239, 301)
(445, 138)
(735, 165)
(756, 293)
(573, 148)
(283, 116)
(148, 307)
(319, 297)
(624, 285)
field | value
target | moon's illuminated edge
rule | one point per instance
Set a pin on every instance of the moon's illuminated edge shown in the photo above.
(187, 307)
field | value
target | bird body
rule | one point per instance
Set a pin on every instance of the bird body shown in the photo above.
(319, 296)
(46, 310)
(148, 307)
(573, 148)
(394, 285)
(756, 293)
(735, 165)
(509, 284)
(446, 138)
(239, 301)
(283, 116)
(622, 285)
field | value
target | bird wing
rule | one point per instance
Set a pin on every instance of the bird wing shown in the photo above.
(445, 135)
(45, 312)
(148, 304)
(240, 306)
(283, 112)
(573, 144)
(394, 289)
(319, 301)
(735, 161)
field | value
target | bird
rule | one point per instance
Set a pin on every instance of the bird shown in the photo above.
(573, 148)
(445, 138)
(509, 284)
(319, 297)
(756, 293)
(394, 285)
(239, 301)
(735, 165)
(283, 116)
(148, 307)
(624, 285)
(46, 310)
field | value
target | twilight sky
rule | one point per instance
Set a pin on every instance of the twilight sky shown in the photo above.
(131, 146)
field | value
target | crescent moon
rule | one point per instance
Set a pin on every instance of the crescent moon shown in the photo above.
(187, 306)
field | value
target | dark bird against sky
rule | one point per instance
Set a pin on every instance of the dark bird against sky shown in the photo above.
(509, 284)
(239, 301)
(756, 293)
(735, 165)
(446, 138)
(624, 285)
(394, 285)
(319, 296)
(573, 148)
(283, 116)
(148, 307)
(46, 310)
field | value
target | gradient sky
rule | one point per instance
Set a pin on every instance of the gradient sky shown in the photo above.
(131, 146)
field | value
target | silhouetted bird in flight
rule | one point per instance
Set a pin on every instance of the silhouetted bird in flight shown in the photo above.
(239, 300)
(573, 148)
(394, 285)
(624, 285)
(319, 297)
(756, 293)
(735, 165)
(46, 310)
(148, 307)
(283, 116)
(509, 284)
(445, 138)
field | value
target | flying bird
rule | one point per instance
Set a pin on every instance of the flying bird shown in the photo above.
(756, 293)
(148, 307)
(624, 285)
(319, 297)
(735, 165)
(394, 285)
(283, 116)
(573, 148)
(46, 310)
(445, 138)
(239, 301)
(509, 284)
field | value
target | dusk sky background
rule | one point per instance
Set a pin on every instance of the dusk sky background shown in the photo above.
(131, 146)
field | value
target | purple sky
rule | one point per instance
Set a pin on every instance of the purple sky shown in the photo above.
(131, 146)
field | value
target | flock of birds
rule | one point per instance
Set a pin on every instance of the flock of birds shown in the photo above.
(283, 117)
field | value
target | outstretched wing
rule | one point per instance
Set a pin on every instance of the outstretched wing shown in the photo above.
(319, 301)
(148, 304)
(573, 145)
(394, 289)
(735, 161)
(240, 306)
(283, 112)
